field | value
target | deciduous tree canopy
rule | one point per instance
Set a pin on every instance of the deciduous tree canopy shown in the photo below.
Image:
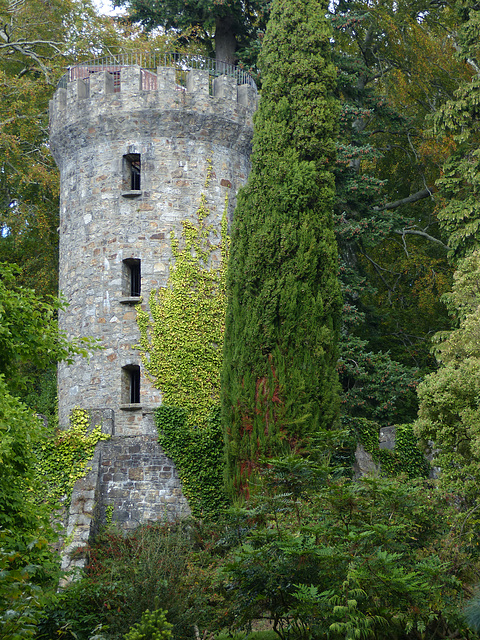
(28, 331)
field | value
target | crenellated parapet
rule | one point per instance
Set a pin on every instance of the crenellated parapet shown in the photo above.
(91, 93)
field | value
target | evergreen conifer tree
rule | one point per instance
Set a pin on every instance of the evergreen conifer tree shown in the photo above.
(279, 384)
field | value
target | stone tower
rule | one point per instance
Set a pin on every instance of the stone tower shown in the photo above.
(133, 139)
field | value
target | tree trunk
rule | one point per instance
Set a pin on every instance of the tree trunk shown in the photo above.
(225, 40)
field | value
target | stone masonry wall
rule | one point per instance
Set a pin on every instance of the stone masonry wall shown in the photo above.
(138, 483)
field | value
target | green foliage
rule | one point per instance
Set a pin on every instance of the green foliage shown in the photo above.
(393, 261)
(19, 429)
(317, 556)
(449, 413)
(29, 331)
(28, 182)
(254, 635)
(237, 22)
(36, 38)
(375, 386)
(126, 575)
(472, 613)
(403, 307)
(22, 595)
(449, 417)
(198, 455)
(279, 384)
(41, 396)
(357, 559)
(36, 473)
(153, 625)
(406, 457)
(39, 40)
(453, 347)
(29, 341)
(61, 460)
(181, 342)
(409, 457)
(28, 179)
(181, 338)
(459, 183)
(27, 567)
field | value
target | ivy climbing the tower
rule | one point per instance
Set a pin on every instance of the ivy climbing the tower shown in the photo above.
(63, 459)
(181, 339)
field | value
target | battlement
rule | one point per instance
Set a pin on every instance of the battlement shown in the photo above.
(88, 89)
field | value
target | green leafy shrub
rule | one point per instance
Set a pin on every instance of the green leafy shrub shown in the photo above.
(125, 576)
(20, 429)
(152, 626)
(41, 396)
(375, 558)
(449, 413)
(29, 336)
(26, 584)
(28, 566)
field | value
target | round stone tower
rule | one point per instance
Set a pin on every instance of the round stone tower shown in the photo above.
(133, 143)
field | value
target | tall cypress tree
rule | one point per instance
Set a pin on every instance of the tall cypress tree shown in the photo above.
(279, 384)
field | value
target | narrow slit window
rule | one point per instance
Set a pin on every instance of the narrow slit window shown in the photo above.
(132, 278)
(135, 279)
(134, 385)
(132, 171)
(131, 384)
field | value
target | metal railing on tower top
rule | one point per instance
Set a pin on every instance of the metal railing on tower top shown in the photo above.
(149, 62)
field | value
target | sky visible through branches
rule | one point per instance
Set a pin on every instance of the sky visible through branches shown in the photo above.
(105, 7)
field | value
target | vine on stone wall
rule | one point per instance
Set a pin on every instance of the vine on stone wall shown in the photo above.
(198, 454)
(406, 457)
(181, 341)
(412, 459)
(181, 336)
(63, 459)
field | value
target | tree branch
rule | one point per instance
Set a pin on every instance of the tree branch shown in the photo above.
(379, 270)
(414, 197)
(12, 119)
(415, 232)
(29, 43)
(25, 48)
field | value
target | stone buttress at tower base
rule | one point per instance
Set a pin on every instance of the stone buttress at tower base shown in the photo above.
(129, 481)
